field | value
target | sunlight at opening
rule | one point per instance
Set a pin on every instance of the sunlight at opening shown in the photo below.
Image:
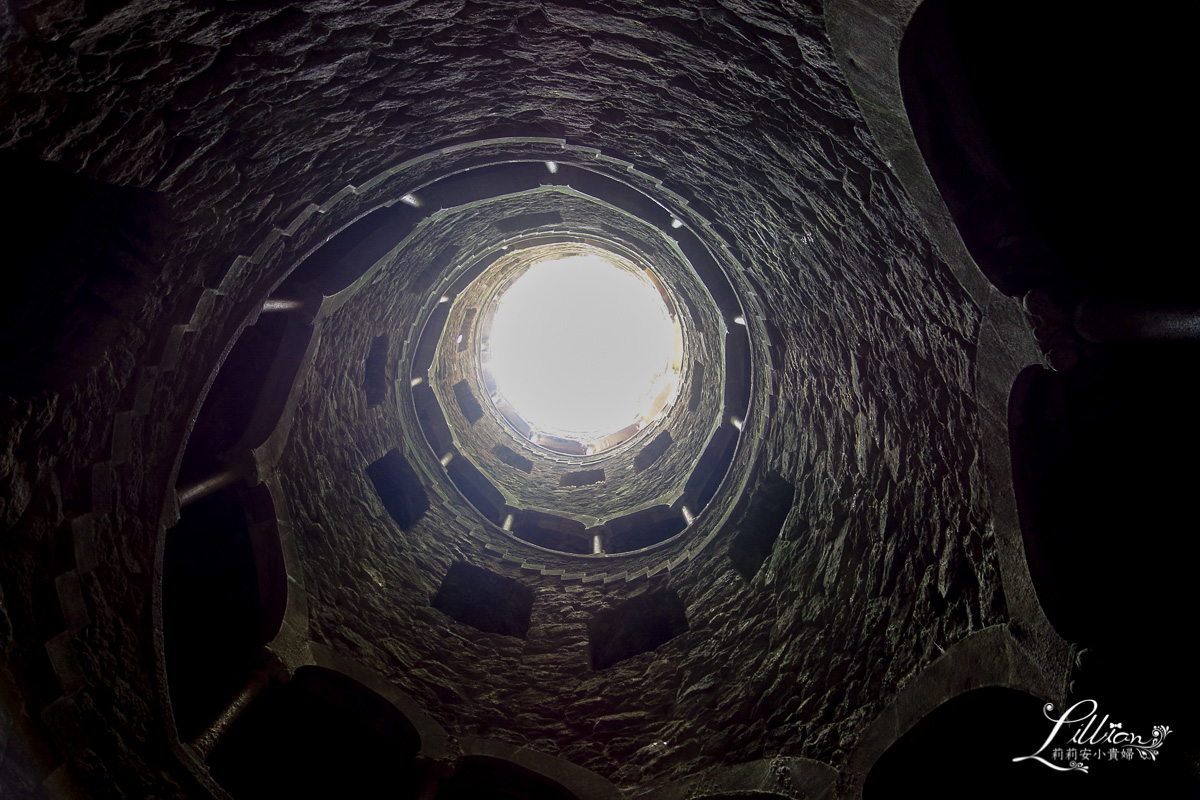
(581, 348)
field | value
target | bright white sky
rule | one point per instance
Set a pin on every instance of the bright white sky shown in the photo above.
(581, 347)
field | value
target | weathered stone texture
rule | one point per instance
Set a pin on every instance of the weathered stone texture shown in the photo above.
(238, 116)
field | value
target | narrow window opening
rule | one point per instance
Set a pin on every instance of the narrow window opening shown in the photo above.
(467, 403)
(585, 477)
(512, 458)
(464, 332)
(652, 452)
(375, 378)
(484, 600)
(399, 489)
(637, 626)
(760, 525)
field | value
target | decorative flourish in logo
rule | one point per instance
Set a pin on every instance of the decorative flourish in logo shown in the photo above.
(1092, 741)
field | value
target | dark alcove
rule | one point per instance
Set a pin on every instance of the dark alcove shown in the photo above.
(320, 735)
(399, 488)
(211, 609)
(760, 525)
(484, 600)
(636, 626)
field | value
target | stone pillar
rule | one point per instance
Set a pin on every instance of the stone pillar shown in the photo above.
(207, 740)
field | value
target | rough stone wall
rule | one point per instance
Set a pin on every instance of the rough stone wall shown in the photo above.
(879, 569)
(623, 490)
(237, 115)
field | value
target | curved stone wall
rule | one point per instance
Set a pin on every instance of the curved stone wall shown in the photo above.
(847, 548)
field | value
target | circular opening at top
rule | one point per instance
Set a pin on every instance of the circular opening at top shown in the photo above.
(584, 348)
